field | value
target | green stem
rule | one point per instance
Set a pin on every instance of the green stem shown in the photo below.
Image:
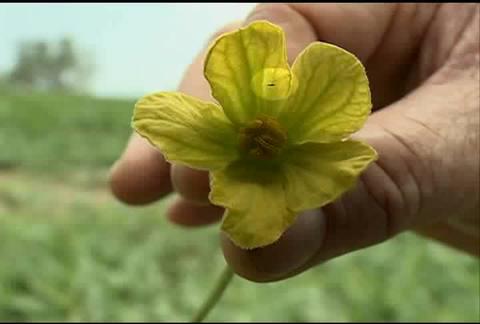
(215, 295)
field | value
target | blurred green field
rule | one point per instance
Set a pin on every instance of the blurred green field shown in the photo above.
(70, 252)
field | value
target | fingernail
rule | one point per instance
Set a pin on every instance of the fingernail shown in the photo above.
(277, 261)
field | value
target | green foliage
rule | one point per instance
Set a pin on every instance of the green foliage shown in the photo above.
(70, 252)
(50, 132)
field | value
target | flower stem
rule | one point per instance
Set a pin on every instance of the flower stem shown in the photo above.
(215, 295)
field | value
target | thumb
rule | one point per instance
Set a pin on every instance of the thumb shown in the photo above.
(298, 31)
(415, 181)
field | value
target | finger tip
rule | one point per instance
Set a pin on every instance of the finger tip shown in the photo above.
(140, 176)
(184, 213)
(283, 258)
(191, 184)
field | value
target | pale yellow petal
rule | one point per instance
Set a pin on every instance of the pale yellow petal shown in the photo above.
(319, 173)
(257, 213)
(332, 99)
(248, 71)
(187, 130)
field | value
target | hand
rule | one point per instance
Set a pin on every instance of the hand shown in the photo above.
(422, 61)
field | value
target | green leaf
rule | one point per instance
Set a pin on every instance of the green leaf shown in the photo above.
(187, 130)
(332, 99)
(248, 71)
(254, 196)
(319, 173)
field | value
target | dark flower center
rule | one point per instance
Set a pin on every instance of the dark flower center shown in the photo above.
(262, 138)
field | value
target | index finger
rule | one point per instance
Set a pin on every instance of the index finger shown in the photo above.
(142, 175)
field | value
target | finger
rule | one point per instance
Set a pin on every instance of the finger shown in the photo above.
(298, 30)
(464, 237)
(358, 28)
(194, 82)
(141, 175)
(385, 37)
(185, 213)
(192, 185)
(296, 247)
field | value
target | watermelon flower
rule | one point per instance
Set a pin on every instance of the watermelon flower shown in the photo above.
(277, 142)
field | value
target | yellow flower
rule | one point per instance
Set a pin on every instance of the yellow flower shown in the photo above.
(277, 141)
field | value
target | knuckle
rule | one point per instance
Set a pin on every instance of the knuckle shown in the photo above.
(275, 12)
(224, 29)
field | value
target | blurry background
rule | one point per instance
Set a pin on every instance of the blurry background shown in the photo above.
(69, 76)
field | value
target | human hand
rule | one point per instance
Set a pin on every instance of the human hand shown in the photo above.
(422, 61)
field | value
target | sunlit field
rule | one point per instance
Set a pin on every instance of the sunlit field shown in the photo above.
(70, 252)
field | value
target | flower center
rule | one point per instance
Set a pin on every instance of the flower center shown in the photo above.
(263, 138)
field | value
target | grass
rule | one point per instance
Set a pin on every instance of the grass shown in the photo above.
(70, 252)
(51, 132)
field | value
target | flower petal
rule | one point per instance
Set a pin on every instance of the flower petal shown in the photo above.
(332, 100)
(257, 213)
(318, 173)
(187, 130)
(248, 71)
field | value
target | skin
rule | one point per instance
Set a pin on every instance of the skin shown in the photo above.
(422, 61)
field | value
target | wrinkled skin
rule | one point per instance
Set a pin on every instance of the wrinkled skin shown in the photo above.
(423, 64)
